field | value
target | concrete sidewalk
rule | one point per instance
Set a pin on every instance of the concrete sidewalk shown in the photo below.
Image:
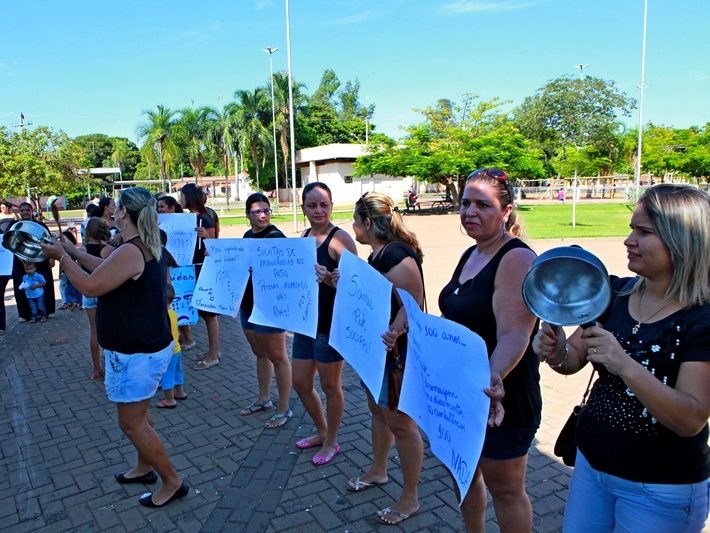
(60, 444)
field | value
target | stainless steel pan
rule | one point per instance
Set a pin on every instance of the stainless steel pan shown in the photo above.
(23, 239)
(567, 286)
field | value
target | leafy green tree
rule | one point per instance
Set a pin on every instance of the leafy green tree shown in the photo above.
(159, 138)
(254, 110)
(193, 128)
(283, 113)
(41, 162)
(97, 147)
(574, 112)
(223, 135)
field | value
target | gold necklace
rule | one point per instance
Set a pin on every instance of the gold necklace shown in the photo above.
(636, 328)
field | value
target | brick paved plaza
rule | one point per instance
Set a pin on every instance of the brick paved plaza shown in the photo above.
(60, 444)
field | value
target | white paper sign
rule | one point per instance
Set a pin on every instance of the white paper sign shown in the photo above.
(5, 261)
(285, 285)
(360, 316)
(442, 390)
(182, 236)
(224, 276)
(183, 280)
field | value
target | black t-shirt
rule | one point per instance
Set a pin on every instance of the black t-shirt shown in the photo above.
(204, 220)
(271, 232)
(388, 258)
(471, 305)
(615, 432)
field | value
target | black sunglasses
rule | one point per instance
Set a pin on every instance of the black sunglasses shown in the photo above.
(495, 173)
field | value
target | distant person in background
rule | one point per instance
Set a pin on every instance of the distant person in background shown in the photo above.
(6, 210)
(71, 298)
(168, 204)
(561, 195)
(44, 268)
(96, 200)
(92, 210)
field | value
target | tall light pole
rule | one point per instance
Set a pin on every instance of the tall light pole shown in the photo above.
(271, 52)
(643, 86)
(581, 70)
(290, 119)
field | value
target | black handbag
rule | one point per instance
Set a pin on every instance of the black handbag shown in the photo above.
(566, 443)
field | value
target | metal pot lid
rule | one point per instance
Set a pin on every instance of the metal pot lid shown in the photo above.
(23, 239)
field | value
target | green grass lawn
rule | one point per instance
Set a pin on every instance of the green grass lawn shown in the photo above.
(548, 221)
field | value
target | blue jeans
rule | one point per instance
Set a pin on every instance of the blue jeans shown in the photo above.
(37, 307)
(601, 502)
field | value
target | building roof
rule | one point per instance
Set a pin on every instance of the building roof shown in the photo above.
(330, 153)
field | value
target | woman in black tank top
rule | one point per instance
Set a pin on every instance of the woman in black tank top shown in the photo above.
(485, 295)
(311, 355)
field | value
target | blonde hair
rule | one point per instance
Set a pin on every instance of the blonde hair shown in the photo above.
(679, 215)
(97, 228)
(387, 223)
(140, 206)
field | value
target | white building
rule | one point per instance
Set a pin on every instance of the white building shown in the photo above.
(332, 164)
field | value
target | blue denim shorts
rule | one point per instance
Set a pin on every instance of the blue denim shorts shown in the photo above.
(316, 349)
(135, 377)
(504, 442)
(256, 328)
(90, 303)
(384, 399)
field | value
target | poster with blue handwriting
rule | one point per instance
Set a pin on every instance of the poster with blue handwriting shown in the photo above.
(5, 261)
(445, 374)
(285, 285)
(224, 276)
(183, 280)
(182, 236)
(360, 316)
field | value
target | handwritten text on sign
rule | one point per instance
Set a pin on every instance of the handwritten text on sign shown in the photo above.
(182, 237)
(285, 286)
(446, 371)
(224, 276)
(183, 280)
(360, 316)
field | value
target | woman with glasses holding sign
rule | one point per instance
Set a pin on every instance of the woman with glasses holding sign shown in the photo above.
(267, 343)
(311, 355)
(643, 460)
(397, 255)
(485, 295)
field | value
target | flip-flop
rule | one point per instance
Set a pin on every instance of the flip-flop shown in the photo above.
(256, 407)
(320, 460)
(387, 511)
(181, 398)
(204, 364)
(304, 444)
(163, 405)
(203, 356)
(358, 485)
(98, 376)
(278, 420)
(187, 346)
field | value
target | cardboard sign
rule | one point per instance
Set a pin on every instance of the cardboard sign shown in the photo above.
(183, 280)
(182, 236)
(224, 276)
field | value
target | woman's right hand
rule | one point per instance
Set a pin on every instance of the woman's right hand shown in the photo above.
(549, 343)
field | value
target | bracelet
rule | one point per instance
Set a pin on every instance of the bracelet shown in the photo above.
(62, 257)
(562, 362)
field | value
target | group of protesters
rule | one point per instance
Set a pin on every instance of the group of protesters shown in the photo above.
(643, 460)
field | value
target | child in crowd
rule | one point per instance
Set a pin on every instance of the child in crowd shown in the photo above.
(33, 283)
(71, 297)
(172, 382)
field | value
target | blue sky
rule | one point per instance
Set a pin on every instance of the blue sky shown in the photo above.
(94, 66)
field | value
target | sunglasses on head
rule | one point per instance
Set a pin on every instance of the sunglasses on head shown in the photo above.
(495, 173)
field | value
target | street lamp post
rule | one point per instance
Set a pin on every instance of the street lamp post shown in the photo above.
(643, 86)
(290, 118)
(271, 52)
(581, 70)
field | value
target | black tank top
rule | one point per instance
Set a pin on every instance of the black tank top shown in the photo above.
(471, 305)
(133, 318)
(94, 249)
(326, 293)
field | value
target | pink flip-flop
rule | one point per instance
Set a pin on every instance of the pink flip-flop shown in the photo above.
(304, 444)
(320, 460)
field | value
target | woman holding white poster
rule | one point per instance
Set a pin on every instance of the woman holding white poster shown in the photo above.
(485, 295)
(311, 355)
(267, 343)
(396, 254)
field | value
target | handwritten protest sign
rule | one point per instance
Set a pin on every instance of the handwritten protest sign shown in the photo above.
(444, 376)
(183, 280)
(224, 276)
(360, 316)
(285, 286)
(182, 236)
(5, 261)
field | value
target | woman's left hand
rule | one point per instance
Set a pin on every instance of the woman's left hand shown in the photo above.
(389, 338)
(495, 392)
(603, 348)
(202, 232)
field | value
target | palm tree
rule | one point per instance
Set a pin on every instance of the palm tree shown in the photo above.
(193, 128)
(222, 135)
(254, 111)
(158, 132)
(283, 112)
